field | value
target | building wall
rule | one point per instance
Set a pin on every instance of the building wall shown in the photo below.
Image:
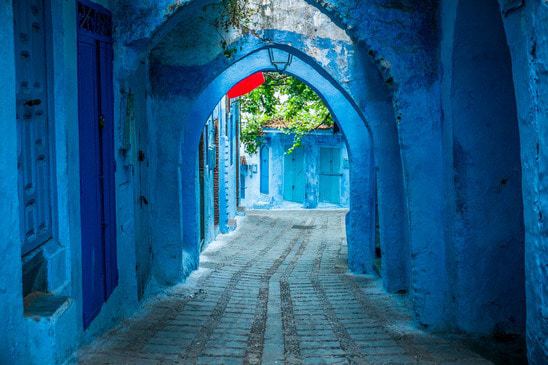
(11, 312)
(526, 26)
(227, 159)
(278, 144)
(49, 338)
(488, 210)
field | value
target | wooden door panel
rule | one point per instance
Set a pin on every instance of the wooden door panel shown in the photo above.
(294, 176)
(330, 175)
(34, 163)
(93, 276)
(108, 168)
(97, 163)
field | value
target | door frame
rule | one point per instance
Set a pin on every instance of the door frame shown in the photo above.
(104, 108)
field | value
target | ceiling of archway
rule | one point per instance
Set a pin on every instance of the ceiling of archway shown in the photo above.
(296, 16)
(196, 40)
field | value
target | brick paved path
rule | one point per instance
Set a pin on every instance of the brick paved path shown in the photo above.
(276, 291)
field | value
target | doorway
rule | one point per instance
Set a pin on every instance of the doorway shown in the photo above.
(97, 163)
(265, 169)
(330, 175)
(294, 179)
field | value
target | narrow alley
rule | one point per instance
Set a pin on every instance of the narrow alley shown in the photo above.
(273, 182)
(276, 291)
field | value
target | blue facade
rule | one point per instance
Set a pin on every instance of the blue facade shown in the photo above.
(316, 174)
(442, 104)
(216, 178)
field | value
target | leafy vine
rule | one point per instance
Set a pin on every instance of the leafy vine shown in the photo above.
(282, 102)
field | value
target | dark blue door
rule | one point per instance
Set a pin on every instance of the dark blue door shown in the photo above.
(95, 118)
(265, 169)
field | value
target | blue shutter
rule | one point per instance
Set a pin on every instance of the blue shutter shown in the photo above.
(330, 175)
(34, 158)
(294, 178)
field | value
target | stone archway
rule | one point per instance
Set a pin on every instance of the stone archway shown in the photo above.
(487, 260)
(183, 61)
(360, 220)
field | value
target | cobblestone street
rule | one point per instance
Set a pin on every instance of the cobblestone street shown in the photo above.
(276, 291)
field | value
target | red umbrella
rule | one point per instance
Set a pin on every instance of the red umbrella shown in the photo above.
(247, 85)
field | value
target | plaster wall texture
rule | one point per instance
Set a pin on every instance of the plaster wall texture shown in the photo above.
(417, 112)
(488, 231)
(278, 143)
(527, 34)
(12, 333)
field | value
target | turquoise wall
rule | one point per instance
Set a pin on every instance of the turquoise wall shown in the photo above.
(281, 176)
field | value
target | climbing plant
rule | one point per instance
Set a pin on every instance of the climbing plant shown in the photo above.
(235, 15)
(285, 101)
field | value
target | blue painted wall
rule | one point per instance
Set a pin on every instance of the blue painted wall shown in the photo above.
(50, 339)
(526, 25)
(408, 82)
(488, 223)
(227, 159)
(280, 179)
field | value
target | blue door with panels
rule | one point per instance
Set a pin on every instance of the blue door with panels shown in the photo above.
(265, 169)
(330, 175)
(97, 164)
(294, 177)
(33, 128)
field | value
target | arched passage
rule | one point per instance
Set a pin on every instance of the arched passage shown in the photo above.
(360, 220)
(487, 252)
(526, 25)
(185, 59)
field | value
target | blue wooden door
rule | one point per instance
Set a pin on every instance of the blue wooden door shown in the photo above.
(294, 177)
(265, 169)
(97, 164)
(330, 175)
(33, 131)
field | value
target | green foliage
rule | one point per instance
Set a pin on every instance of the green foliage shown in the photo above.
(251, 134)
(289, 102)
(234, 15)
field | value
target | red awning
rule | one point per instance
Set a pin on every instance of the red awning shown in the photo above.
(247, 85)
